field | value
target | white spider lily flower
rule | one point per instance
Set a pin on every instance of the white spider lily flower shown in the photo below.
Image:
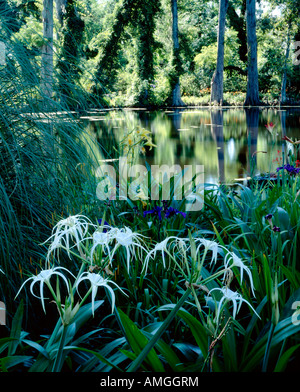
(127, 238)
(55, 245)
(229, 295)
(44, 277)
(97, 281)
(208, 245)
(179, 246)
(102, 239)
(74, 227)
(162, 247)
(237, 262)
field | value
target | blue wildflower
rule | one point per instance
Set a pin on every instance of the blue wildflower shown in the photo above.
(290, 169)
(156, 211)
(104, 224)
(170, 211)
(167, 211)
(276, 229)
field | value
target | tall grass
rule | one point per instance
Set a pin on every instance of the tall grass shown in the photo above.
(44, 166)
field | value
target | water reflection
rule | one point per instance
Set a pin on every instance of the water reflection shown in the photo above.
(230, 143)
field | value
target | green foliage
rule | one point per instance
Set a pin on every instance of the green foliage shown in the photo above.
(141, 17)
(126, 57)
(167, 320)
(189, 338)
(68, 65)
(40, 151)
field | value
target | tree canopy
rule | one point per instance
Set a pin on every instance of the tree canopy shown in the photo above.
(118, 53)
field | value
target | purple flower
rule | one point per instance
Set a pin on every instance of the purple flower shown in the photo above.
(156, 211)
(170, 211)
(290, 169)
(268, 217)
(104, 224)
(276, 229)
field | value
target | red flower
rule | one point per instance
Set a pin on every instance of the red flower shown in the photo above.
(287, 139)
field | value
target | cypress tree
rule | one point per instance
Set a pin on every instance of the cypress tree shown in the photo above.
(217, 79)
(176, 61)
(252, 96)
(141, 16)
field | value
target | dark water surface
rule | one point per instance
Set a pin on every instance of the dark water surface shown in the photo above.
(228, 141)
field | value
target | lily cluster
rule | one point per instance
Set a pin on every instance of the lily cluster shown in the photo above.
(68, 310)
(137, 138)
(186, 255)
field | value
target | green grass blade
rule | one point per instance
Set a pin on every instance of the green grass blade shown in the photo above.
(283, 361)
(138, 342)
(136, 364)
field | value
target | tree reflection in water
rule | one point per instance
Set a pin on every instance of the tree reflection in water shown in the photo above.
(227, 141)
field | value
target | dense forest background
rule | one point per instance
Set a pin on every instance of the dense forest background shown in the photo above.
(156, 53)
(63, 65)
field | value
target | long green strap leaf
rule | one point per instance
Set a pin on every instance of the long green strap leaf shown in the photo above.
(138, 341)
(282, 363)
(284, 329)
(138, 361)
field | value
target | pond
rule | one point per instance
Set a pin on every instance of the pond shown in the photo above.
(230, 142)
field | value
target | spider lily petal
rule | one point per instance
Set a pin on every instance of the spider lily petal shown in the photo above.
(209, 245)
(162, 246)
(97, 281)
(44, 277)
(234, 297)
(74, 227)
(127, 238)
(237, 262)
(103, 239)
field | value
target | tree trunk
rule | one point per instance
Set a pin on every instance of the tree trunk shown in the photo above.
(217, 79)
(60, 10)
(47, 50)
(284, 76)
(175, 84)
(252, 120)
(217, 132)
(252, 96)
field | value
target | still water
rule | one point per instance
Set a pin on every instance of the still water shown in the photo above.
(228, 142)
